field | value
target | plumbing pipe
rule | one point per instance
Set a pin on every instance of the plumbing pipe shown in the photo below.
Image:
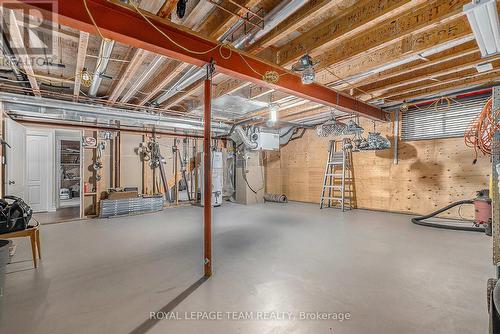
(193, 75)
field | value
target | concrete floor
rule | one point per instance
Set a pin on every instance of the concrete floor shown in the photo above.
(60, 215)
(106, 276)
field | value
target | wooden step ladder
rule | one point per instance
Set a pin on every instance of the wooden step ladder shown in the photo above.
(338, 190)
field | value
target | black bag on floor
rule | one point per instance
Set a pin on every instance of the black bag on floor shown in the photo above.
(15, 214)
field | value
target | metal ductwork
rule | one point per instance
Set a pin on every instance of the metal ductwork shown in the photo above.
(191, 76)
(239, 135)
(50, 110)
(102, 63)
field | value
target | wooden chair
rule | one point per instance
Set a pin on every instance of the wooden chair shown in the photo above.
(32, 232)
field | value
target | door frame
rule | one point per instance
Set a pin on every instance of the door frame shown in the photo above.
(58, 138)
(51, 171)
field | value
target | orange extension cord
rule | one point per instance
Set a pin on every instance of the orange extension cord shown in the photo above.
(479, 134)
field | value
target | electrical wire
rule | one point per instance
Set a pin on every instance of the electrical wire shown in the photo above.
(479, 134)
(219, 46)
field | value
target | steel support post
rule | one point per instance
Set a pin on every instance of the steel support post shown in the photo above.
(207, 174)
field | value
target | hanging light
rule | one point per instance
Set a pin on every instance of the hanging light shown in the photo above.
(305, 65)
(86, 78)
(308, 76)
(483, 19)
(273, 112)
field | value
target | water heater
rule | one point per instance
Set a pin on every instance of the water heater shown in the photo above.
(217, 178)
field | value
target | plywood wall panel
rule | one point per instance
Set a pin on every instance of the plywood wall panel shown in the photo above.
(430, 174)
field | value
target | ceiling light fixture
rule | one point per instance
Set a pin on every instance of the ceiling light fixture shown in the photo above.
(306, 66)
(484, 67)
(273, 112)
(483, 19)
(86, 78)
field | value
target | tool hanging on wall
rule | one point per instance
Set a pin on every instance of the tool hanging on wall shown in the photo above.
(183, 163)
(97, 166)
(151, 152)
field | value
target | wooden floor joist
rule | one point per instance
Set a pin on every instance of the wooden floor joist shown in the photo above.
(427, 73)
(364, 15)
(81, 55)
(400, 28)
(458, 80)
(448, 54)
(414, 44)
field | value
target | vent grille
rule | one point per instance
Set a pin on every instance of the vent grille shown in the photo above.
(443, 121)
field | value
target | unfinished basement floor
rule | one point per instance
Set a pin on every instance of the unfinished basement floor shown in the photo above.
(106, 276)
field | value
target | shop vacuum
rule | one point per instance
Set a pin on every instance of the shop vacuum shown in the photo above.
(482, 212)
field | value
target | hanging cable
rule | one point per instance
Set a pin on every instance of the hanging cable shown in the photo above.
(479, 134)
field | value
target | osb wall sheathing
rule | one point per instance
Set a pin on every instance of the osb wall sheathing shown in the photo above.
(430, 173)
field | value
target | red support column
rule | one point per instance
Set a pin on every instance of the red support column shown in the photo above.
(207, 176)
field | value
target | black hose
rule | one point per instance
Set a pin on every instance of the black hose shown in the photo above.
(418, 220)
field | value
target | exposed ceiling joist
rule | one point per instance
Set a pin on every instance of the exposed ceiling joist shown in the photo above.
(80, 63)
(257, 92)
(455, 30)
(53, 79)
(179, 97)
(223, 22)
(452, 78)
(121, 23)
(21, 53)
(408, 24)
(310, 11)
(167, 8)
(456, 83)
(126, 77)
(141, 79)
(162, 80)
(364, 15)
(229, 86)
(436, 71)
(417, 64)
(67, 35)
(305, 114)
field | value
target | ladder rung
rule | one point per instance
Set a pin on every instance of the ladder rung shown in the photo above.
(335, 163)
(338, 188)
(337, 198)
(333, 174)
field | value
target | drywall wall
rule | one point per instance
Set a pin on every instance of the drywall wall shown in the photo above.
(430, 173)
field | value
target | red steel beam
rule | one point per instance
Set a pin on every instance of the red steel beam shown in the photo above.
(122, 23)
(207, 179)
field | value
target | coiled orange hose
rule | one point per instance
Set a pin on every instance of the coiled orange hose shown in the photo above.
(479, 134)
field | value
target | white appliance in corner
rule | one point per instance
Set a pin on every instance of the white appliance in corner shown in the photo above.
(217, 178)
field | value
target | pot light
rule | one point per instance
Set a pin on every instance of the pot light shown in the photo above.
(483, 19)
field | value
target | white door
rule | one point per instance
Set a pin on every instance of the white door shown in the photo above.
(15, 171)
(37, 172)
